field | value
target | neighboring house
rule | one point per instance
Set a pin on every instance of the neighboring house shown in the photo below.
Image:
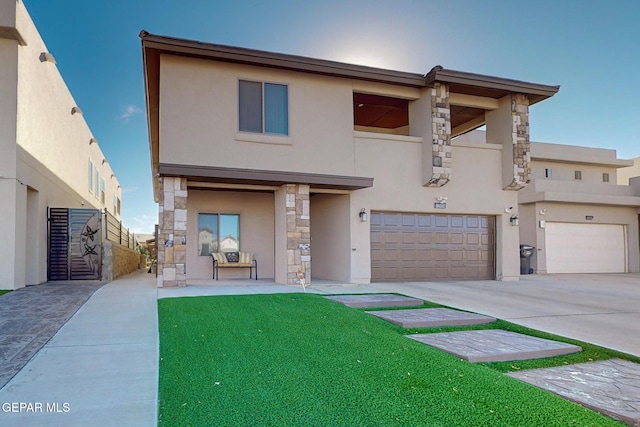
(48, 156)
(625, 175)
(345, 172)
(575, 215)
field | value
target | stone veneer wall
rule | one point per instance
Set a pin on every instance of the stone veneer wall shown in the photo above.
(520, 140)
(441, 135)
(118, 260)
(172, 232)
(298, 233)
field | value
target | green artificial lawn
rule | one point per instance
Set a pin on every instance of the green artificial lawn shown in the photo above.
(300, 359)
(2, 292)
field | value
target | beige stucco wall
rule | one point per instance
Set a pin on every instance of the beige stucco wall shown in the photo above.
(624, 174)
(256, 210)
(44, 152)
(198, 126)
(331, 223)
(475, 188)
(320, 119)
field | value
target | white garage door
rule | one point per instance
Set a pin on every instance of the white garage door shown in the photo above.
(585, 248)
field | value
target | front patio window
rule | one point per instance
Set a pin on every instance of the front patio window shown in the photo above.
(218, 233)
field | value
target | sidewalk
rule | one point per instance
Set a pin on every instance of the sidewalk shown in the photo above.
(101, 368)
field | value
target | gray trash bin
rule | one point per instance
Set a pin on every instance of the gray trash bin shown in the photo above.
(526, 252)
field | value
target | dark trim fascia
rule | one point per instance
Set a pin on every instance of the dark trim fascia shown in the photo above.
(263, 177)
(439, 74)
(178, 46)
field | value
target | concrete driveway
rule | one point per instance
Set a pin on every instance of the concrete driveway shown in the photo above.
(602, 309)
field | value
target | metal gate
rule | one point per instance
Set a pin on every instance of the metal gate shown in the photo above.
(75, 244)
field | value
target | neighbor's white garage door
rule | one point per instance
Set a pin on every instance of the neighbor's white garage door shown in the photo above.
(585, 248)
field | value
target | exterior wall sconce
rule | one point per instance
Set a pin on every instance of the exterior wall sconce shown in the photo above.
(104, 161)
(543, 211)
(514, 220)
(93, 141)
(47, 57)
(76, 110)
(363, 215)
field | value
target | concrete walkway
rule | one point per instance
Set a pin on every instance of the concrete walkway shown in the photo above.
(31, 316)
(101, 368)
(601, 309)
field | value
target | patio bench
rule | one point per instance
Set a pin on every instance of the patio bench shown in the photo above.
(234, 260)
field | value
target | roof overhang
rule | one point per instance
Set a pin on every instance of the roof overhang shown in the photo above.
(254, 177)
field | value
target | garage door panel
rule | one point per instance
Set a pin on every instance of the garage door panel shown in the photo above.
(585, 248)
(425, 221)
(442, 238)
(431, 247)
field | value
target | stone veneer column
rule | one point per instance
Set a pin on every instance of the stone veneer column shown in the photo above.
(441, 135)
(172, 233)
(520, 140)
(298, 232)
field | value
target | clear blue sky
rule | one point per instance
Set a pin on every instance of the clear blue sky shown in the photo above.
(590, 48)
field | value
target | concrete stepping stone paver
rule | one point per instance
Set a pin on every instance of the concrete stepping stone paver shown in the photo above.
(431, 317)
(494, 345)
(611, 387)
(376, 300)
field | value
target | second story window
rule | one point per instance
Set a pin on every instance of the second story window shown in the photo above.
(264, 108)
(102, 187)
(577, 175)
(605, 177)
(548, 173)
(90, 176)
(97, 192)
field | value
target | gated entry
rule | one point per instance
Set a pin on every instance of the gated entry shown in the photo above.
(75, 244)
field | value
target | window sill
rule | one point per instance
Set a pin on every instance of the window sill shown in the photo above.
(261, 138)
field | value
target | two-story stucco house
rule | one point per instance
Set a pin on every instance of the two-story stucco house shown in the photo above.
(575, 214)
(48, 155)
(339, 171)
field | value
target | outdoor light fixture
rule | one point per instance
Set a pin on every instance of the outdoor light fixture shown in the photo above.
(104, 161)
(76, 110)
(514, 220)
(363, 215)
(508, 209)
(47, 57)
(543, 211)
(93, 141)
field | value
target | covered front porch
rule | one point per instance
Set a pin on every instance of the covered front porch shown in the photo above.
(272, 223)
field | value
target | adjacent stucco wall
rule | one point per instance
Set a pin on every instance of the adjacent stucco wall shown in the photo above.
(256, 210)
(44, 151)
(624, 174)
(9, 187)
